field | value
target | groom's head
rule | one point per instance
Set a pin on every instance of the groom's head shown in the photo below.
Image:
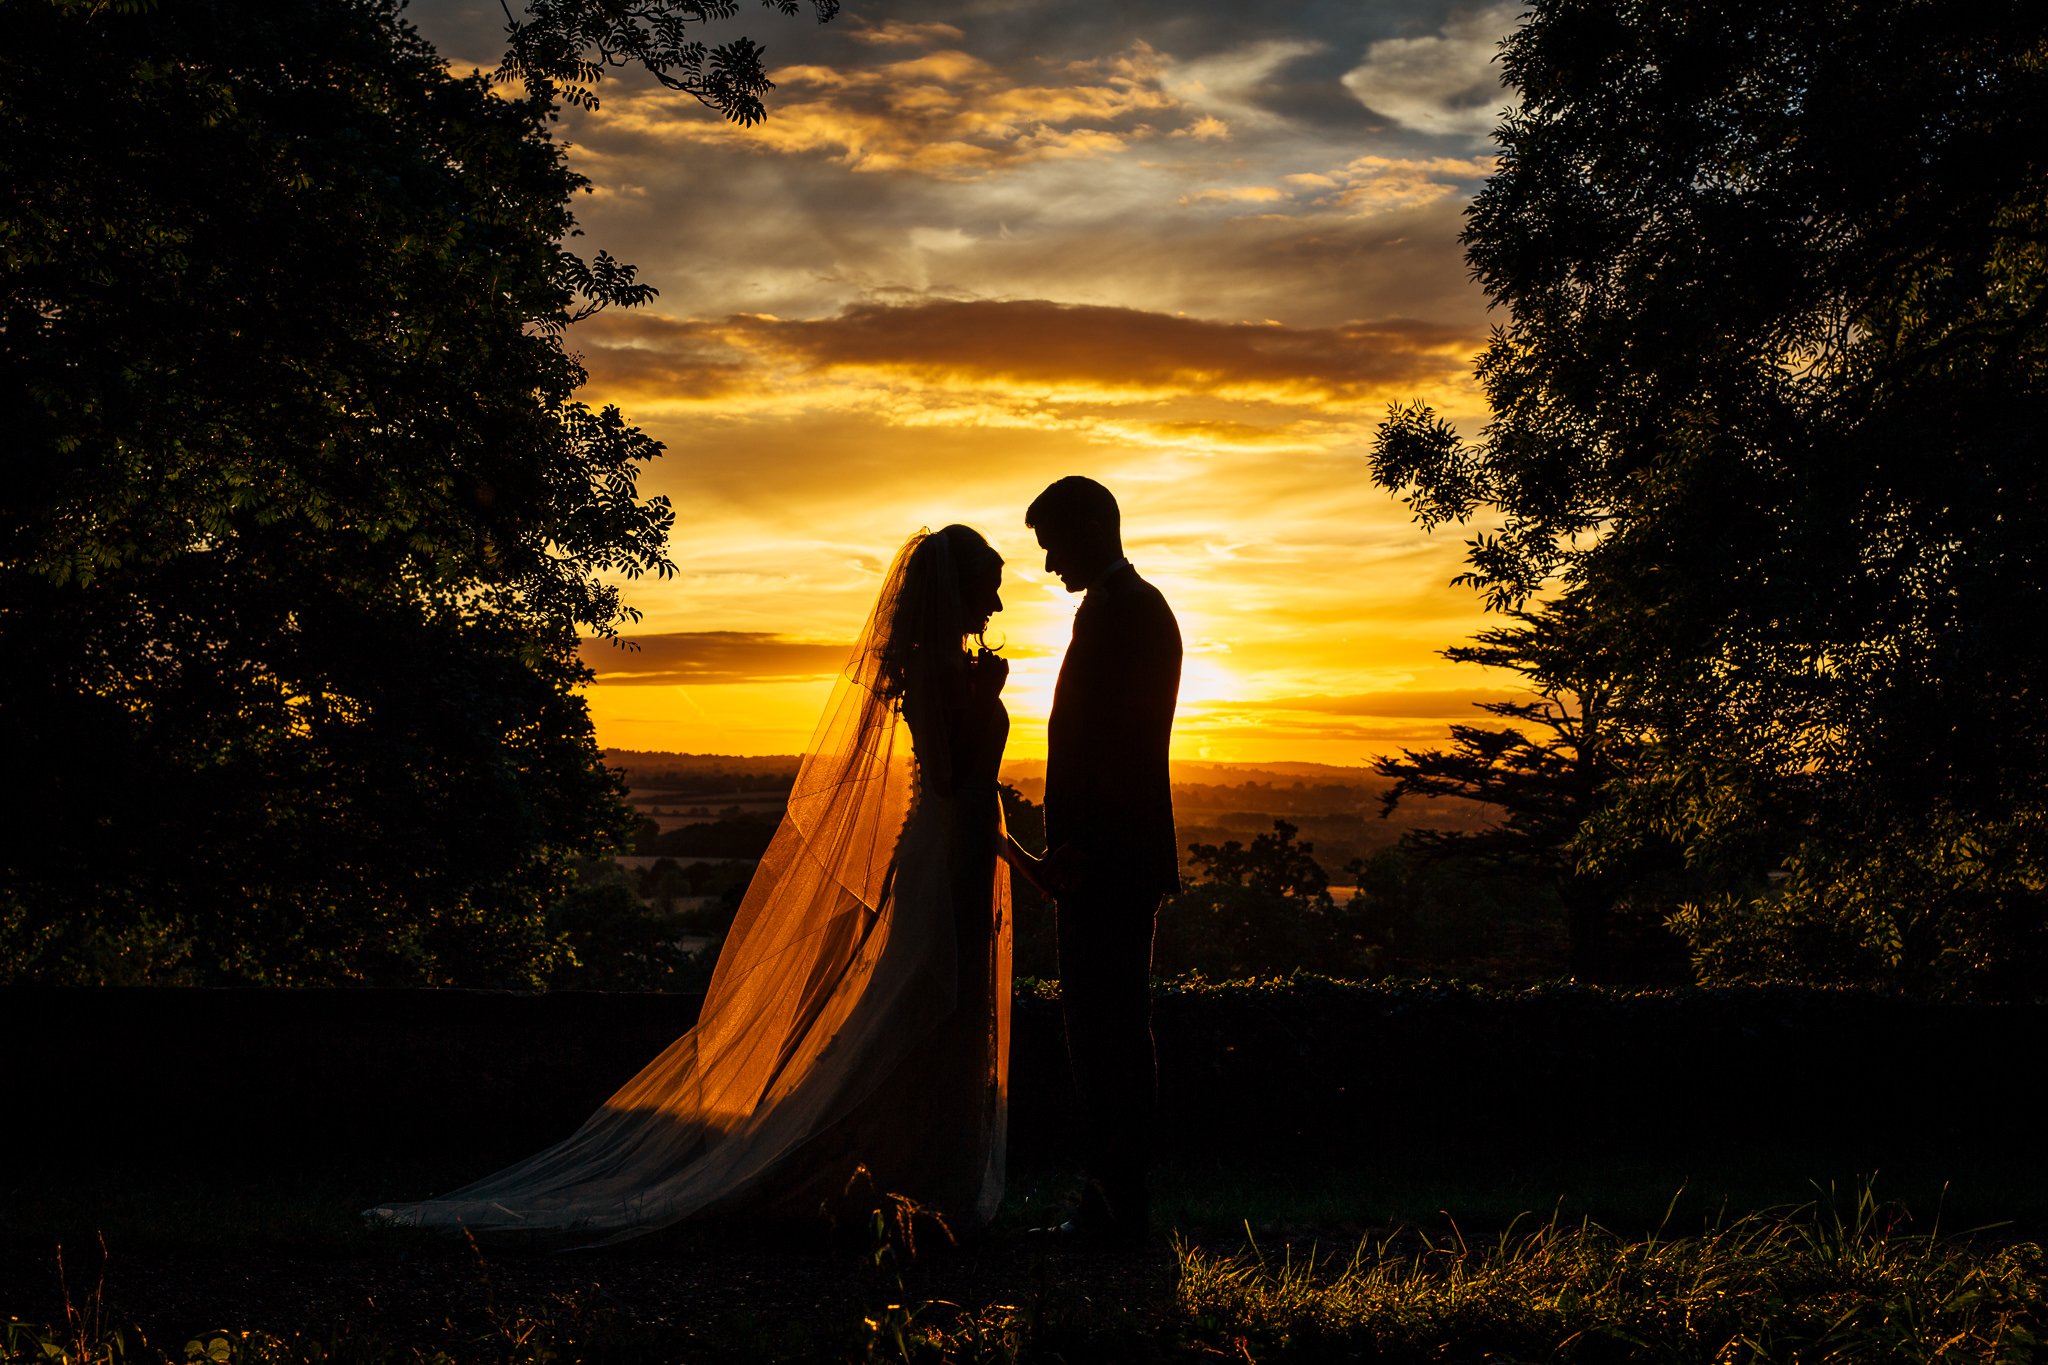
(1078, 528)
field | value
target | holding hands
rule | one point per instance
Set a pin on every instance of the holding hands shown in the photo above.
(1059, 873)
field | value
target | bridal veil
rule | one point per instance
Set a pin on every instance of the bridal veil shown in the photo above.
(838, 971)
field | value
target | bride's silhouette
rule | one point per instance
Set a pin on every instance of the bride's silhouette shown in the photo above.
(859, 1012)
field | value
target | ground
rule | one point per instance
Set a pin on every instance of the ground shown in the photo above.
(282, 1257)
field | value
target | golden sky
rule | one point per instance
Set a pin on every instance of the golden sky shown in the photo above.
(1192, 251)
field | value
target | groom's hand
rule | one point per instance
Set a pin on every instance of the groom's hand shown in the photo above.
(1064, 869)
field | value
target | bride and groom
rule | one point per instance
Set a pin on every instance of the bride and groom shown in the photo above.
(858, 1017)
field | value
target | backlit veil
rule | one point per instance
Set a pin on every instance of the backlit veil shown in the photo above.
(840, 964)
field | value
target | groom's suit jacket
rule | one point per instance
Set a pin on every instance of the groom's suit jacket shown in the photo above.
(1106, 786)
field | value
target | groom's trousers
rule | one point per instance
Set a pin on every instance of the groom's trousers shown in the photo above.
(1105, 948)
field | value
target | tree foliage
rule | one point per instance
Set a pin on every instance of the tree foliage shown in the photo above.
(1274, 864)
(562, 48)
(303, 518)
(1766, 405)
(1259, 910)
(1559, 761)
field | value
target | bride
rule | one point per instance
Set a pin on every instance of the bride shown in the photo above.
(859, 1013)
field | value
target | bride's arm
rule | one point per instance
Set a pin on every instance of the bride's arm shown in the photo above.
(1022, 863)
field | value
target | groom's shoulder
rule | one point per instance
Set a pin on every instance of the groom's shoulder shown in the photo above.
(1144, 591)
(1137, 598)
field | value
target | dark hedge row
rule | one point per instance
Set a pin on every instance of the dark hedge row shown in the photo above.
(369, 1079)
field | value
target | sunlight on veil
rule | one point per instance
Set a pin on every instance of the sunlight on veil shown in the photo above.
(838, 973)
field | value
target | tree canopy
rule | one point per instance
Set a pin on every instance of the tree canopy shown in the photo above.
(304, 517)
(1765, 407)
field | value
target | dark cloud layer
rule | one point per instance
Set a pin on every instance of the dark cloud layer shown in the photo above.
(1036, 341)
(712, 656)
(1027, 342)
(1405, 705)
(639, 354)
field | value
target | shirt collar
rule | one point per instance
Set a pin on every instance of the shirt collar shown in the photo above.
(1108, 574)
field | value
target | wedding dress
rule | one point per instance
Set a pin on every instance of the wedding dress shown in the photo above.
(858, 1016)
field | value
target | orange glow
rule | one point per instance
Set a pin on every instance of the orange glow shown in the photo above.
(945, 273)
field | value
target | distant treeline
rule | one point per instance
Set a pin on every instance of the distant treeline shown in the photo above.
(1257, 898)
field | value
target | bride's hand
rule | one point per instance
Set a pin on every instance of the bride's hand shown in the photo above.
(1023, 864)
(988, 672)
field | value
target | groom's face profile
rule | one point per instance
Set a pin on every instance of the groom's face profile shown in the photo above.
(1074, 556)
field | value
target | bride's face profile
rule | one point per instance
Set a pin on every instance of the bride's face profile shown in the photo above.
(981, 596)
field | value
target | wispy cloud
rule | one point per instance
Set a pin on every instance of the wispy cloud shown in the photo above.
(946, 114)
(1445, 82)
(899, 33)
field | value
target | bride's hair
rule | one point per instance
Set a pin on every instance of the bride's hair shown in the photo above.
(927, 635)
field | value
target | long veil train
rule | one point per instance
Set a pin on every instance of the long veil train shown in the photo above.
(839, 972)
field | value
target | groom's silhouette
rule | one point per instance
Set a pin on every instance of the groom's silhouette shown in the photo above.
(1109, 829)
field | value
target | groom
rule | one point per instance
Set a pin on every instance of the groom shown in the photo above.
(1109, 829)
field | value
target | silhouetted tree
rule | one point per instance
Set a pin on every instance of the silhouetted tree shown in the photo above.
(303, 518)
(1766, 404)
(561, 48)
(1261, 910)
(1439, 913)
(1274, 864)
(1562, 758)
(615, 942)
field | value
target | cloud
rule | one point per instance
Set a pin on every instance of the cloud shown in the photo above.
(629, 354)
(1207, 128)
(1236, 82)
(718, 657)
(1236, 194)
(900, 33)
(1405, 703)
(1091, 347)
(1444, 83)
(712, 656)
(1379, 184)
(1367, 186)
(945, 114)
(1027, 362)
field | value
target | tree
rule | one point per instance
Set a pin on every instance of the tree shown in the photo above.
(1274, 865)
(561, 49)
(1776, 277)
(1451, 916)
(304, 518)
(1262, 910)
(618, 944)
(1558, 763)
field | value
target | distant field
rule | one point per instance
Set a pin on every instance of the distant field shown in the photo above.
(669, 811)
(1335, 808)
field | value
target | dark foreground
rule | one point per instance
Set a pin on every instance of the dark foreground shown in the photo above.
(1261, 1265)
(1398, 1172)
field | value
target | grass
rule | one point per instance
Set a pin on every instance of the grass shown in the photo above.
(1844, 1276)
(1821, 1282)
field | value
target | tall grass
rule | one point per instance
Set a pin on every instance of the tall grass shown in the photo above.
(1843, 1278)
(1833, 1280)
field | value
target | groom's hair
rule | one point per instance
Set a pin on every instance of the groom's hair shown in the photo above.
(1073, 502)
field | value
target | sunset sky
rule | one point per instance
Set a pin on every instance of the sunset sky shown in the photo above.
(1191, 250)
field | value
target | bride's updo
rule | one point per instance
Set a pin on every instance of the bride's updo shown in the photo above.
(928, 625)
